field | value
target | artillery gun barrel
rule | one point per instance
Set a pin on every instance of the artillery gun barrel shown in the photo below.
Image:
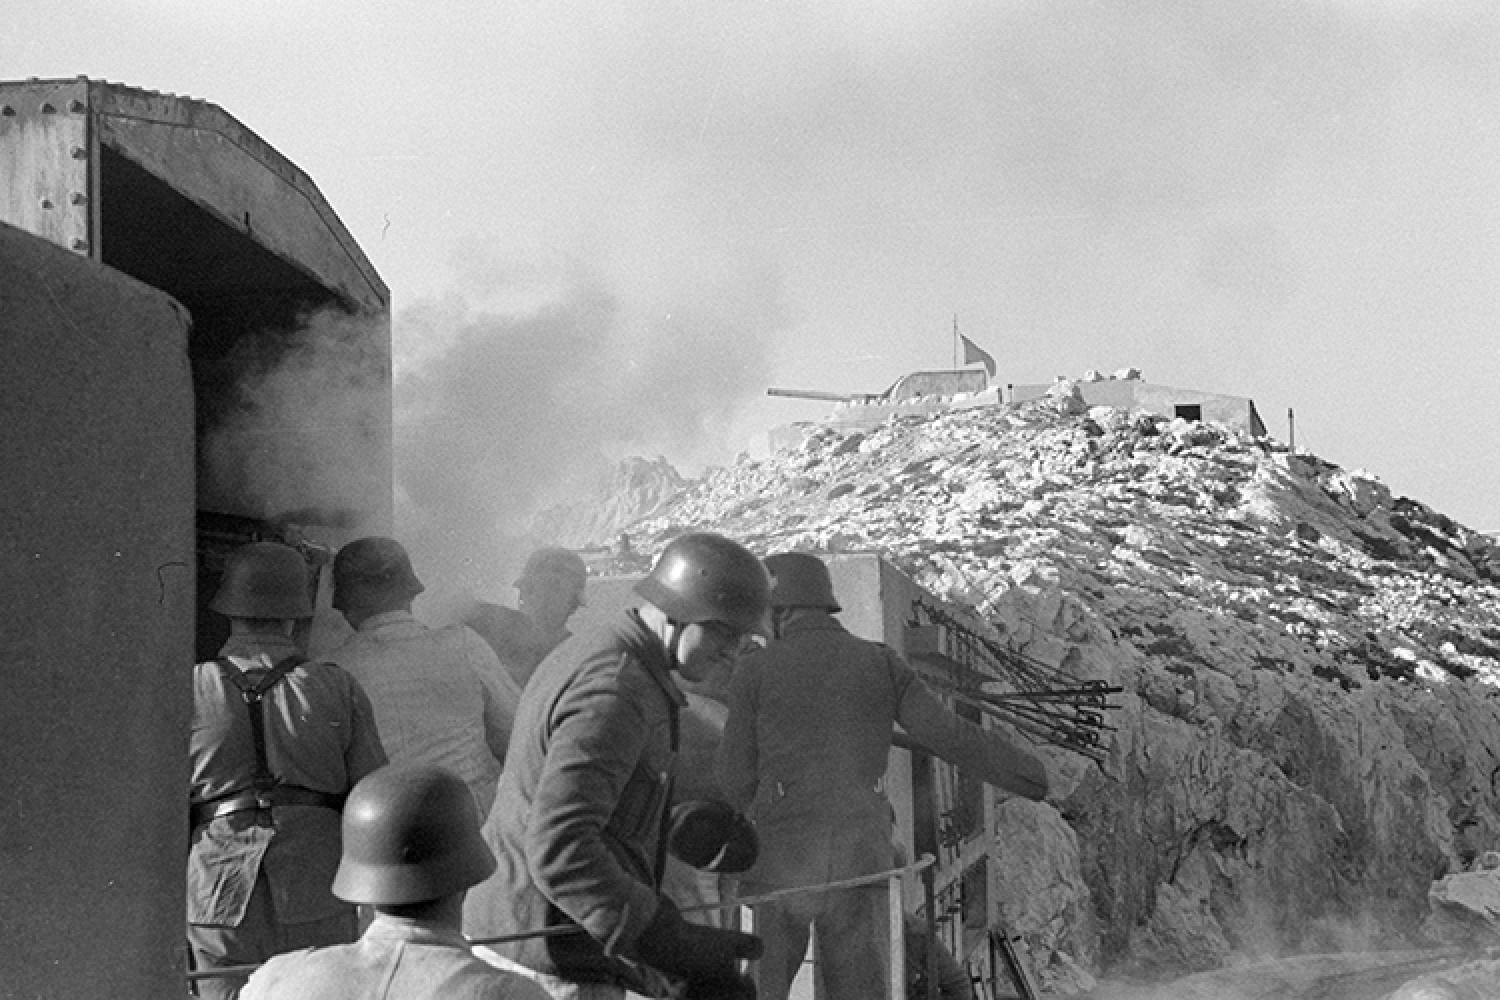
(832, 397)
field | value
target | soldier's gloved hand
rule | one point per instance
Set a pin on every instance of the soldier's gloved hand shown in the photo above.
(712, 836)
(704, 957)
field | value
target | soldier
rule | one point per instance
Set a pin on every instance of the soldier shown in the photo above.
(412, 848)
(548, 591)
(440, 695)
(578, 826)
(808, 735)
(276, 744)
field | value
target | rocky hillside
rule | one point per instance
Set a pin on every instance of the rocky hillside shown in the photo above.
(634, 489)
(1310, 732)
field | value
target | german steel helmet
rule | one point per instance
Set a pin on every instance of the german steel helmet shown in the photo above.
(264, 580)
(554, 561)
(704, 577)
(800, 580)
(411, 834)
(374, 561)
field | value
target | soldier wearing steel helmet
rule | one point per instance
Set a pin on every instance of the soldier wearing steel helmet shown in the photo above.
(411, 849)
(276, 743)
(807, 739)
(548, 591)
(579, 825)
(440, 695)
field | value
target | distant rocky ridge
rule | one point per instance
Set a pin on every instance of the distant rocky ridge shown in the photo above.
(1311, 726)
(633, 489)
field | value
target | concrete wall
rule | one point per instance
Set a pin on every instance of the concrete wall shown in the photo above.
(1119, 393)
(1144, 397)
(96, 578)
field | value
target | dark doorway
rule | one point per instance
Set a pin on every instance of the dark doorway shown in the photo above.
(1188, 411)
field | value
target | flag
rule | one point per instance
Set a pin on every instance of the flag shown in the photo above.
(973, 352)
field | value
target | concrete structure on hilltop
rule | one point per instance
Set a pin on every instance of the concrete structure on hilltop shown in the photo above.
(1139, 396)
(928, 393)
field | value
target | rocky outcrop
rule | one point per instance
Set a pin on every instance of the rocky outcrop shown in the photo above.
(633, 489)
(1310, 733)
(1465, 906)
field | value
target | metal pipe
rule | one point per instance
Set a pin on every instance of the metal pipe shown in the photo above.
(897, 899)
(832, 397)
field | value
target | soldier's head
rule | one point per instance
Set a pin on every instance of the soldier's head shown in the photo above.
(265, 586)
(371, 576)
(712, 594)
(550, 587)
(411, 838)
(799, 582)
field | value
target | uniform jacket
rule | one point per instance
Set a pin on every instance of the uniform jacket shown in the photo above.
(440, 696)
(807, 741)
(702, 731)
(577, 822)
(514, 638)
(395, 959)
(320, 734)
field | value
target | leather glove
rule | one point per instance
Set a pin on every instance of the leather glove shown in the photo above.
(712, 836)
(704, 957)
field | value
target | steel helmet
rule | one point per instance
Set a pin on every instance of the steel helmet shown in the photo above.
(373, 562)
(800, 580)
(558, 562)
(411, 834)
(703, 577)
(264, 580)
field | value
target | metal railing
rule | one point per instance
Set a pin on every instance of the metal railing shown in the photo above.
(894, 878)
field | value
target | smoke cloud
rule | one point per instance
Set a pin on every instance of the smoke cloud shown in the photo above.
(501, 412)
(295, 424)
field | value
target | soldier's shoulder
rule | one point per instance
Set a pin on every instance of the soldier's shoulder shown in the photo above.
(328, 675)
(485, 617)
(290, 974)
(494, 982)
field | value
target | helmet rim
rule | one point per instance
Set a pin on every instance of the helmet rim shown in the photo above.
(705, 577)
(411, 834)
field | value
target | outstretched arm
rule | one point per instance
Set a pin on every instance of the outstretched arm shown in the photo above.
(984, 753)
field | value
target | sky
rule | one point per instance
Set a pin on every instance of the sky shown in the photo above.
(608, 228)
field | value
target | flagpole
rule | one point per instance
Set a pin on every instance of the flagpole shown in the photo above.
(955, 341)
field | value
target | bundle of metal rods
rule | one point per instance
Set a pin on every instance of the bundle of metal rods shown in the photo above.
(1036, 698)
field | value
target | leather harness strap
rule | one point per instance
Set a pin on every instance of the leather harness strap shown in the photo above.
(254, 695)
(264, 792)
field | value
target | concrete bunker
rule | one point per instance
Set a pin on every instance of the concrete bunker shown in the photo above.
(162, 265)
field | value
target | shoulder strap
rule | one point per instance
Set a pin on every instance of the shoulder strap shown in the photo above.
(253, 693)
